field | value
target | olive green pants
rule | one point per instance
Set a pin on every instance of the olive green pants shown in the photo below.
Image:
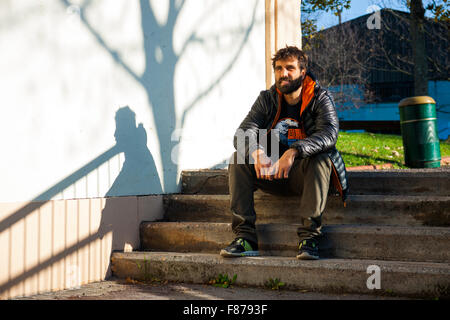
(308, 178)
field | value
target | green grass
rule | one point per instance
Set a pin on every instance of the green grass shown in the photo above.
(359, 149)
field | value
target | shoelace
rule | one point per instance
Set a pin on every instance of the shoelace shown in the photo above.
(311, 244)
(242, 243)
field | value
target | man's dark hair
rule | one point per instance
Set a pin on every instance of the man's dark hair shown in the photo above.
(291, 51)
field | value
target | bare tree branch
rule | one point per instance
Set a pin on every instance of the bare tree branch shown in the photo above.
(113, 53)
(220, 77)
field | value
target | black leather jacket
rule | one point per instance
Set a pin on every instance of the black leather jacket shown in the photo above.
(320, 123)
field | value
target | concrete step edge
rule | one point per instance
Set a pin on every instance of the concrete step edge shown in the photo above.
(352, 197)
(335, 228)
(344, 241)
(437, 172)
(329, 275)
(360, 209)
(419, 182)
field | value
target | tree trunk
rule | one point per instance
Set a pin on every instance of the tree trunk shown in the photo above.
(418, 46)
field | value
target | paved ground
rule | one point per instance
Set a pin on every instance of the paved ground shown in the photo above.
(121, 290)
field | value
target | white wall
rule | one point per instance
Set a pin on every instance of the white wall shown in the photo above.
(104, 99)
(67, 69)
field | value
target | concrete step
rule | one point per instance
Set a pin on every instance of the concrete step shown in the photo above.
(361, 209)
(327, 275)
(389, 182)
(339, 241)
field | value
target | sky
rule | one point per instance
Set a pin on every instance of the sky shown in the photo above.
(358, 8)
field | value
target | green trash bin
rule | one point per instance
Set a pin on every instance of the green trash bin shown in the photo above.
(419, 131)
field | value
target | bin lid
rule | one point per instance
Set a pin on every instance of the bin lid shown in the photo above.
(416, 100)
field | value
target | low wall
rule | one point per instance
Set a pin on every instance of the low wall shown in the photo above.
(61, 244)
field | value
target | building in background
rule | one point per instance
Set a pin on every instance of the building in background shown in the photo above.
(367, 64)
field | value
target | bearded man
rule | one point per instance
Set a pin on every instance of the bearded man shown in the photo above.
(302, 116)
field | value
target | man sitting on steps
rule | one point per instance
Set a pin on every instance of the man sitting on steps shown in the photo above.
(302, 115)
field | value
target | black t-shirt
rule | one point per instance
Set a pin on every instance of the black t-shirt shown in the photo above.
(288, 125)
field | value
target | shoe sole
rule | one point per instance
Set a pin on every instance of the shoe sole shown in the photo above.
(227, 254)
(307, 256)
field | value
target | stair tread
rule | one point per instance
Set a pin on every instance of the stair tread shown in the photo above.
(423, 279)
(438, 172)
(352, 197)
(289, 262)
(280, 239)
(360, 209)
(413, 181)
(354, 228)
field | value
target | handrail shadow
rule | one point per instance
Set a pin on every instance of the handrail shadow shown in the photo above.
(137, 176)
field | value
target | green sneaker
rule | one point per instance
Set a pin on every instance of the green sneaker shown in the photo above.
(308, 250)
(240, 248)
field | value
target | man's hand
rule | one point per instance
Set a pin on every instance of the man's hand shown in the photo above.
(282, 167)
(263, 165)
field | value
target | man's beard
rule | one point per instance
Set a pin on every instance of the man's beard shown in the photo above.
(291, 87)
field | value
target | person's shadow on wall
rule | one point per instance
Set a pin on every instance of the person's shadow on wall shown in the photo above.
(138, 177)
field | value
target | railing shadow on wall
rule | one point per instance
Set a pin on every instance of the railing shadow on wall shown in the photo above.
(138, 175)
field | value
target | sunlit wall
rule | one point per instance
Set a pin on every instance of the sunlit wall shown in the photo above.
(188, 71)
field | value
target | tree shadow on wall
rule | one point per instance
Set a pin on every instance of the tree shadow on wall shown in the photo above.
(161, 60)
